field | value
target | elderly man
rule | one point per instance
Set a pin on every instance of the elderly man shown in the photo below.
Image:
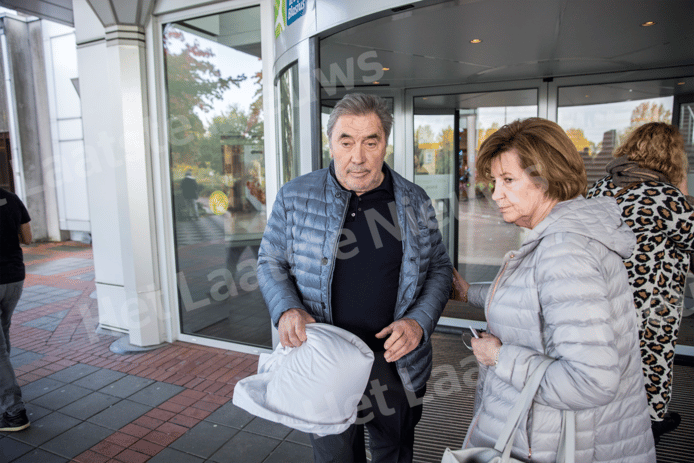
(358, 246)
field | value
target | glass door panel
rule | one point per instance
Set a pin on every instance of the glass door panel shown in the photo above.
(448, 131)
(287, 97)
(214, 98)
(598, 118)
(686, 126)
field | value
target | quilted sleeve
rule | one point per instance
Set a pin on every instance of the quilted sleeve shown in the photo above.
(477, 294)
(274, 270)
(436, 287)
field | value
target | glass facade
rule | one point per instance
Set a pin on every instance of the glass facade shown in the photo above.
(686, 125)
(213, 69)
(598, 118)
(288, 147)
(448, 131)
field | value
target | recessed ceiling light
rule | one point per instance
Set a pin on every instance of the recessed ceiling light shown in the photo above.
(385, 69)
(681, 83)
(476, 41)
(648, 23)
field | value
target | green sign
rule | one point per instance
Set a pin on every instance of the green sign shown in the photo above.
(280, 17)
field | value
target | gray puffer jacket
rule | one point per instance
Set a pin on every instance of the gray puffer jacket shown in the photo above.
(564, 294)
(297, 258)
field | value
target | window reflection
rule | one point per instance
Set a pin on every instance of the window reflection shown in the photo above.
(216, 130)
(687, 130)
(599, 117)
(287, 90)
(448, 131)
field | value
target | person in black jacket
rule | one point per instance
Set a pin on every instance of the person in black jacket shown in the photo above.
(190, 190)
(14, 229)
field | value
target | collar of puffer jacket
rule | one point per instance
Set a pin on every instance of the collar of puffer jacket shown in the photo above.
(596, 218)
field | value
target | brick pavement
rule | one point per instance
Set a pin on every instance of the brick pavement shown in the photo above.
(53, 334)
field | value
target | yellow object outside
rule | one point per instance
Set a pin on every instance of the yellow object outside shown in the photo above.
(219, 202)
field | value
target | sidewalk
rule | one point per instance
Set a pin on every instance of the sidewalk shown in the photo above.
(90, 405)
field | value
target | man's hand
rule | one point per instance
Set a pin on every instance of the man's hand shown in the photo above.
(292, 327)
(405, 335)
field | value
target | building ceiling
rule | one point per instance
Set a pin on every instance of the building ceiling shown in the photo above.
(520, 39)
(431, 45)
(110, 12)
(59, 11)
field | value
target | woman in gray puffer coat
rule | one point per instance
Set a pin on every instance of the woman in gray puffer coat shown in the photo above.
(563, 295)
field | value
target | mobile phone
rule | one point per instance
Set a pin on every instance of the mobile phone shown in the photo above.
(474, 332)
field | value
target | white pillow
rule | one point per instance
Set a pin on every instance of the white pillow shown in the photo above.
(315, 387)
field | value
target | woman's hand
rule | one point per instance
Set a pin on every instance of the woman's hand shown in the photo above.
(460, 287)
(486, 349)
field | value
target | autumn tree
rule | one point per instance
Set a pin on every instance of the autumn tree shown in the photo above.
(646, 112)
(579, 140)
(245, 125)
(483, 134)
(423, 134)
(193, 84)
(444, 155)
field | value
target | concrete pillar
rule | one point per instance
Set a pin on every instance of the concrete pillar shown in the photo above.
(29, 122)
(113, 88)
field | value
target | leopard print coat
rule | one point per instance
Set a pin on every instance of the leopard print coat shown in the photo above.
(661, 218)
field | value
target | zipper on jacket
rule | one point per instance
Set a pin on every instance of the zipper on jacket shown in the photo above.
(400, 302)
(334, 256)
(496, 284)
(527, 431)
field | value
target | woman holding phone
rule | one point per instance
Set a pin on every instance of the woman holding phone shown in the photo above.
(563, 295)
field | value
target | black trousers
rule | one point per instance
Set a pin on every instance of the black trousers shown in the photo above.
(390, 415)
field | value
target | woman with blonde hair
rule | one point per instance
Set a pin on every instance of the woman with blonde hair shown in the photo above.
(648, 180)
(564, 296)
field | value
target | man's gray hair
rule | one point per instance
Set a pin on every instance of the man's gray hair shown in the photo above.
(360, 104)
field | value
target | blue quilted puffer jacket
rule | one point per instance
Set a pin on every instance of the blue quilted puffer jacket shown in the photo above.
(297, 258)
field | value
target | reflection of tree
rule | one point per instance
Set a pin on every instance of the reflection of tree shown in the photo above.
(254, 125)
(287, 125)
(423, 134)
(646, 112)
(579, 139)
(193, 83)
(248, 125)
(444, 155)
(482, 134)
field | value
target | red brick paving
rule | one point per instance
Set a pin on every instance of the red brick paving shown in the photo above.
(208, 374)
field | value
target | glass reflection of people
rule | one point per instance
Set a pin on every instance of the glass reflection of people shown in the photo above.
(320, 260)
(563, 295)
(190, 190)
(648, 178)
